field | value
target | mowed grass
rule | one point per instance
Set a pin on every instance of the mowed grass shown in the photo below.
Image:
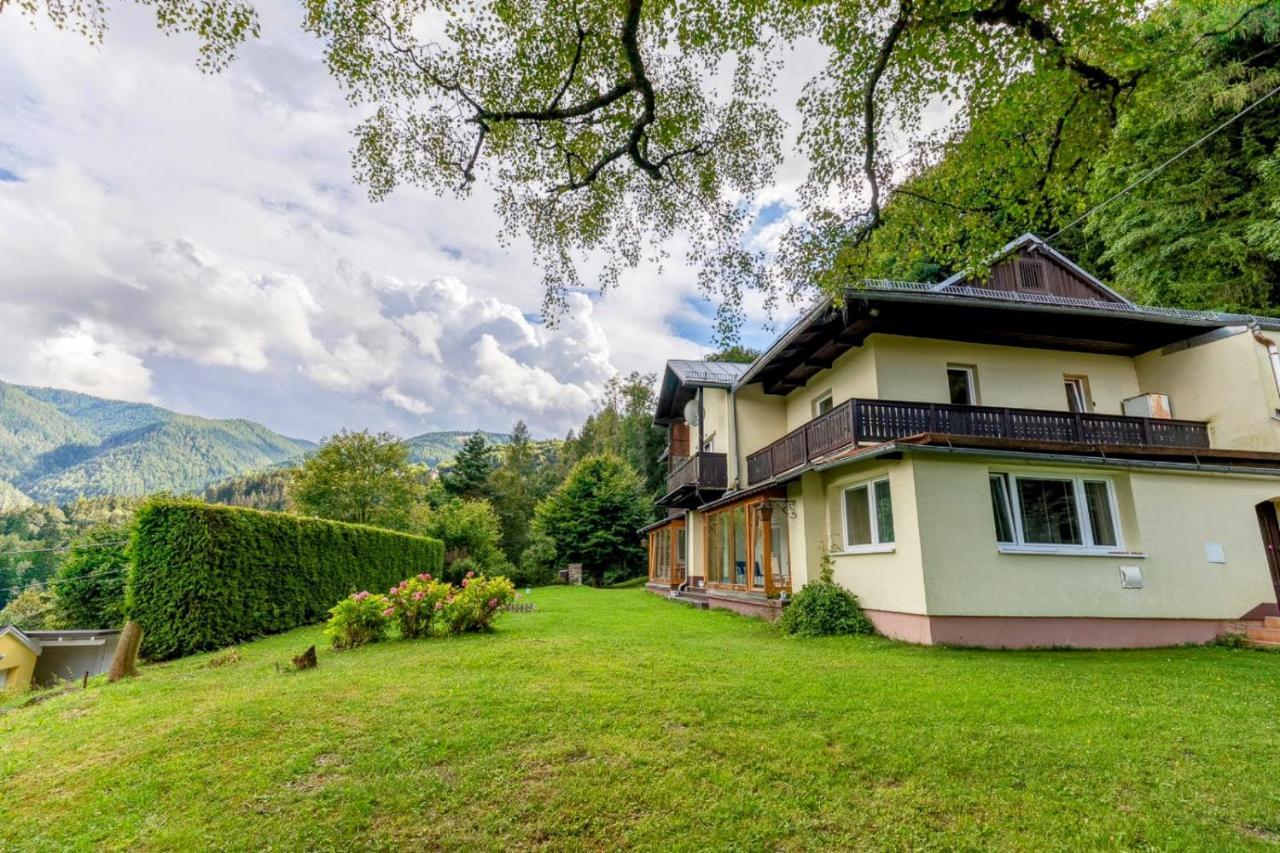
(613, 719)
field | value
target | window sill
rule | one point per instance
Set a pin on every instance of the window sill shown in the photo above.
(869, 549)
(1071, 552)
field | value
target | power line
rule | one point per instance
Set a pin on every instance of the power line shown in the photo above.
(66, 548)
(1151, 173)
(34, 584)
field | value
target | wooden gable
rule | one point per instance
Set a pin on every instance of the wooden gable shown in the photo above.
(1034, 270)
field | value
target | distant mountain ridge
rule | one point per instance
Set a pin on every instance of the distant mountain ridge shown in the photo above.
(57, 445)
(440, 448)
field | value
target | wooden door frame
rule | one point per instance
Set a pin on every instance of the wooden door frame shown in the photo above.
(1269, 525)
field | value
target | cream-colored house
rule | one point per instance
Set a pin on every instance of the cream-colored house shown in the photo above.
(1026, 460)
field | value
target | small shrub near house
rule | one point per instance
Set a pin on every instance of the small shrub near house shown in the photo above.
(823, 608)
(359, 619)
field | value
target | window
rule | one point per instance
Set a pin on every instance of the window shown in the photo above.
(1053, 513)
(1077, 393)
(747, 546)
(868, 516)
(962, 385)
(823, 404)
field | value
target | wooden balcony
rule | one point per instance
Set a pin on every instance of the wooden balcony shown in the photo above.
(874, 421)
(701, 472)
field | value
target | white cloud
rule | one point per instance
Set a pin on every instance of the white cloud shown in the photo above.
(75, 358)
(168, 222)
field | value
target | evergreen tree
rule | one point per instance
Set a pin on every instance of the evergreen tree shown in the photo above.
(89, 588)
(469, 477)
(593, 517)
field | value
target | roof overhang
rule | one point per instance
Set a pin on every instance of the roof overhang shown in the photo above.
(827, 332)
(681, 380)
(29, 643)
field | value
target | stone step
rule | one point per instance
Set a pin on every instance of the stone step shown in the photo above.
(1271, 622)
(1266, 635)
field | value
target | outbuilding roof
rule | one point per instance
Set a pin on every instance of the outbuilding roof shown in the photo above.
(32, 645)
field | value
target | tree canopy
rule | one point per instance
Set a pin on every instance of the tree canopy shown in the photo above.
(594, 515)
(359, 477)
(606, 128)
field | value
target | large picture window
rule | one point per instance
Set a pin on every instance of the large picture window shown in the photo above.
(868, 516)
(1054, 513)
(747, 547)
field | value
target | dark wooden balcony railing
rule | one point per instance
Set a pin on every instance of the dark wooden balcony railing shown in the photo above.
(701, 470)
(873, 421)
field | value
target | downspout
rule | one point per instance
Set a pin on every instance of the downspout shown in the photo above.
(733, 435)
(1273, 355)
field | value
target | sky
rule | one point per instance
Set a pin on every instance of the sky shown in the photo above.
(197, 241)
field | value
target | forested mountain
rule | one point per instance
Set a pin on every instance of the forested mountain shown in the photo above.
(439, 448)
(56, 445)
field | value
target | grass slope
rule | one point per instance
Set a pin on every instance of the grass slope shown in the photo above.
(611, 719)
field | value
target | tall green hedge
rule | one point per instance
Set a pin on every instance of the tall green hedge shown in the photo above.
(204, 576)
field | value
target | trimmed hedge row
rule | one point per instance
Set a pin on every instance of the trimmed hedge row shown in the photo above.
(205, 576)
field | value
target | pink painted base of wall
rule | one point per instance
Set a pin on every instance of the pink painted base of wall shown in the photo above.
(1023, 632)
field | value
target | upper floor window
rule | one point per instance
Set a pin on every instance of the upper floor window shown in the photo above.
(868, 516)
(1053, 513)
(962, 384)
(1077, 393)
(823, 404)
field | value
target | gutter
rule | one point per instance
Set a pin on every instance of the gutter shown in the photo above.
(1093, 460)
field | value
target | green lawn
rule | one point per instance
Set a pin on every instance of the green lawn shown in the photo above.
(611, 718)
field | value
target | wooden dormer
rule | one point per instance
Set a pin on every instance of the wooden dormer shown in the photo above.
(1032, 267)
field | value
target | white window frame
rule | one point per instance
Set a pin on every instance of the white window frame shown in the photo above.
(1021, 546)
(826, 397)
(875, 546)
(1080, 386)
(971, 373)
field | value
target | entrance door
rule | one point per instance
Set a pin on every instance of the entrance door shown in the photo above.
(1271, 540)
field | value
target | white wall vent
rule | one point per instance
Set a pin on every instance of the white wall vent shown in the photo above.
(1130, 577)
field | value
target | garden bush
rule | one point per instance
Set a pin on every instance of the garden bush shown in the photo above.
(358, 619)
(823, 608)
(89, 588)
(413, 604)
(475, 605)
(205, 577)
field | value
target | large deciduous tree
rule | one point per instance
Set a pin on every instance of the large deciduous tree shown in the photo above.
(359, 477)
(605, 128)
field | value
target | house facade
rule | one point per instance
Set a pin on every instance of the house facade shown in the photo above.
(1026, 460)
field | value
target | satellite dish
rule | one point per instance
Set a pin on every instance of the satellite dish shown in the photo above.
(691, 412)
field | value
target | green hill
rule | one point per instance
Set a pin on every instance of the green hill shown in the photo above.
(12, 498)
(439, 448)
(56, 445)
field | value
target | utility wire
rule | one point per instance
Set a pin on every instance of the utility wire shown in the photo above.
(65, 548)
(34, 584)
(1153, 172)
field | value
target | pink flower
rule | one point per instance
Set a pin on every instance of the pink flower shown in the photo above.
(424, 577)
(439, 605)
(390, 611)
(419, 595)
(465, 581)
(391, 591)
(471, 574)
(493, 602)
(361, 596)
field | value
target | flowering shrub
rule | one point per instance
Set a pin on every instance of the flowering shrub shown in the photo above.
(358, 619)
(477, 603)
(415, 602)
